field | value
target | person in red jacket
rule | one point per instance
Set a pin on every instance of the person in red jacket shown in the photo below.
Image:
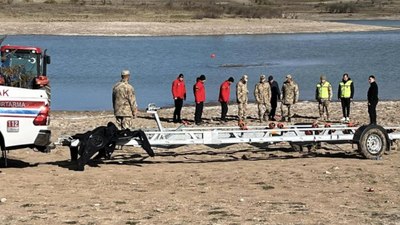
(199, 97)
(224, 93)
(179, 94)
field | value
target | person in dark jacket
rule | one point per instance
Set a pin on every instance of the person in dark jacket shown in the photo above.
(373, 99)
(178, 94)
(224, 94)
(345, 94)
(199, 97)
(275, 96)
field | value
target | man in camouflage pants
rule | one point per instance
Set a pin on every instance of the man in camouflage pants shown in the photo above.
(290, 95)
(242, 97)
(323, 95)
(262, 94)
(124, 101)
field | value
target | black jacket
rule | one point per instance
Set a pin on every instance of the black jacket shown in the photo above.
(275, 92)
(373, 92)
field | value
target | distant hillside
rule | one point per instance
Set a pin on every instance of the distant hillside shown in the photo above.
(182, 10)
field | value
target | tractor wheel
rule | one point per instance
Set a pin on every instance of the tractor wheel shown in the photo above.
(47, 88)
(373, 143)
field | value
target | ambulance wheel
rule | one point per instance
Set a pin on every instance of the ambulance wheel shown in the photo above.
(373, 143)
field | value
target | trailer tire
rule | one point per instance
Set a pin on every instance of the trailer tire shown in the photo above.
(373, 143)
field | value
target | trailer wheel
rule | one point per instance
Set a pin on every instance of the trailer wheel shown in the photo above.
(373, 143)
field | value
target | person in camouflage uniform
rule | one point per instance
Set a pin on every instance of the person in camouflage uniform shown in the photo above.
(290, 95)
(262, 94)
(124, 101)
(242, 96)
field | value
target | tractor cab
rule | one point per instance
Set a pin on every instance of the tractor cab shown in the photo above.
(23, 67)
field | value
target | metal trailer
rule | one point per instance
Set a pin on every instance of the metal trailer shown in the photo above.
(372, 140)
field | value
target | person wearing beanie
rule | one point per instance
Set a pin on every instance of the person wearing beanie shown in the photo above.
(275, 96)
(124, 101)
(262, 94)
(345, 94)
(224, 94)
(179, 95)
(242, 97)
(199, 97)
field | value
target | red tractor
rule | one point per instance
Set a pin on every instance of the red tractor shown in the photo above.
(24, 67)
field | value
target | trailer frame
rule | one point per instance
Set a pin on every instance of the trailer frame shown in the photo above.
(372, 140)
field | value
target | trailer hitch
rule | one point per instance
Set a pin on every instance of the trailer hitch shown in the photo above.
(103, 140)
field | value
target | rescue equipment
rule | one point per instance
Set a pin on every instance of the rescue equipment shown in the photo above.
(372, 140)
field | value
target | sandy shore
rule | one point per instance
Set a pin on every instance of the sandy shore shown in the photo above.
(237, 184)
(195, 27)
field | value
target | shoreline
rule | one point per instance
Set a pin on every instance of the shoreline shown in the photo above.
(212, 105)
(187, 28)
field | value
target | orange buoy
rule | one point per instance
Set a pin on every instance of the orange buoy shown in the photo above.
(271, 125)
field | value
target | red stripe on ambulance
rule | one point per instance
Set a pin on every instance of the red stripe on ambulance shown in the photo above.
(21, 104)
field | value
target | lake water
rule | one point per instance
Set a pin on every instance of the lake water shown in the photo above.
(84, 68)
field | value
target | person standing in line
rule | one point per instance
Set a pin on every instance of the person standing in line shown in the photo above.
(262, 94)
(242, 97)
(224, 94)
(290, 95)
(199, 97)
(373, 99)
(124, 101)
(178, 94)
(275, 96)
(345, 94)
(323, 94)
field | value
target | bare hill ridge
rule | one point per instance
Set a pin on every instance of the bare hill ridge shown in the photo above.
(183, 10)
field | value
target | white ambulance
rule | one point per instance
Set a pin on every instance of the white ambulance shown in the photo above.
(24, 118)
(24, 99)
